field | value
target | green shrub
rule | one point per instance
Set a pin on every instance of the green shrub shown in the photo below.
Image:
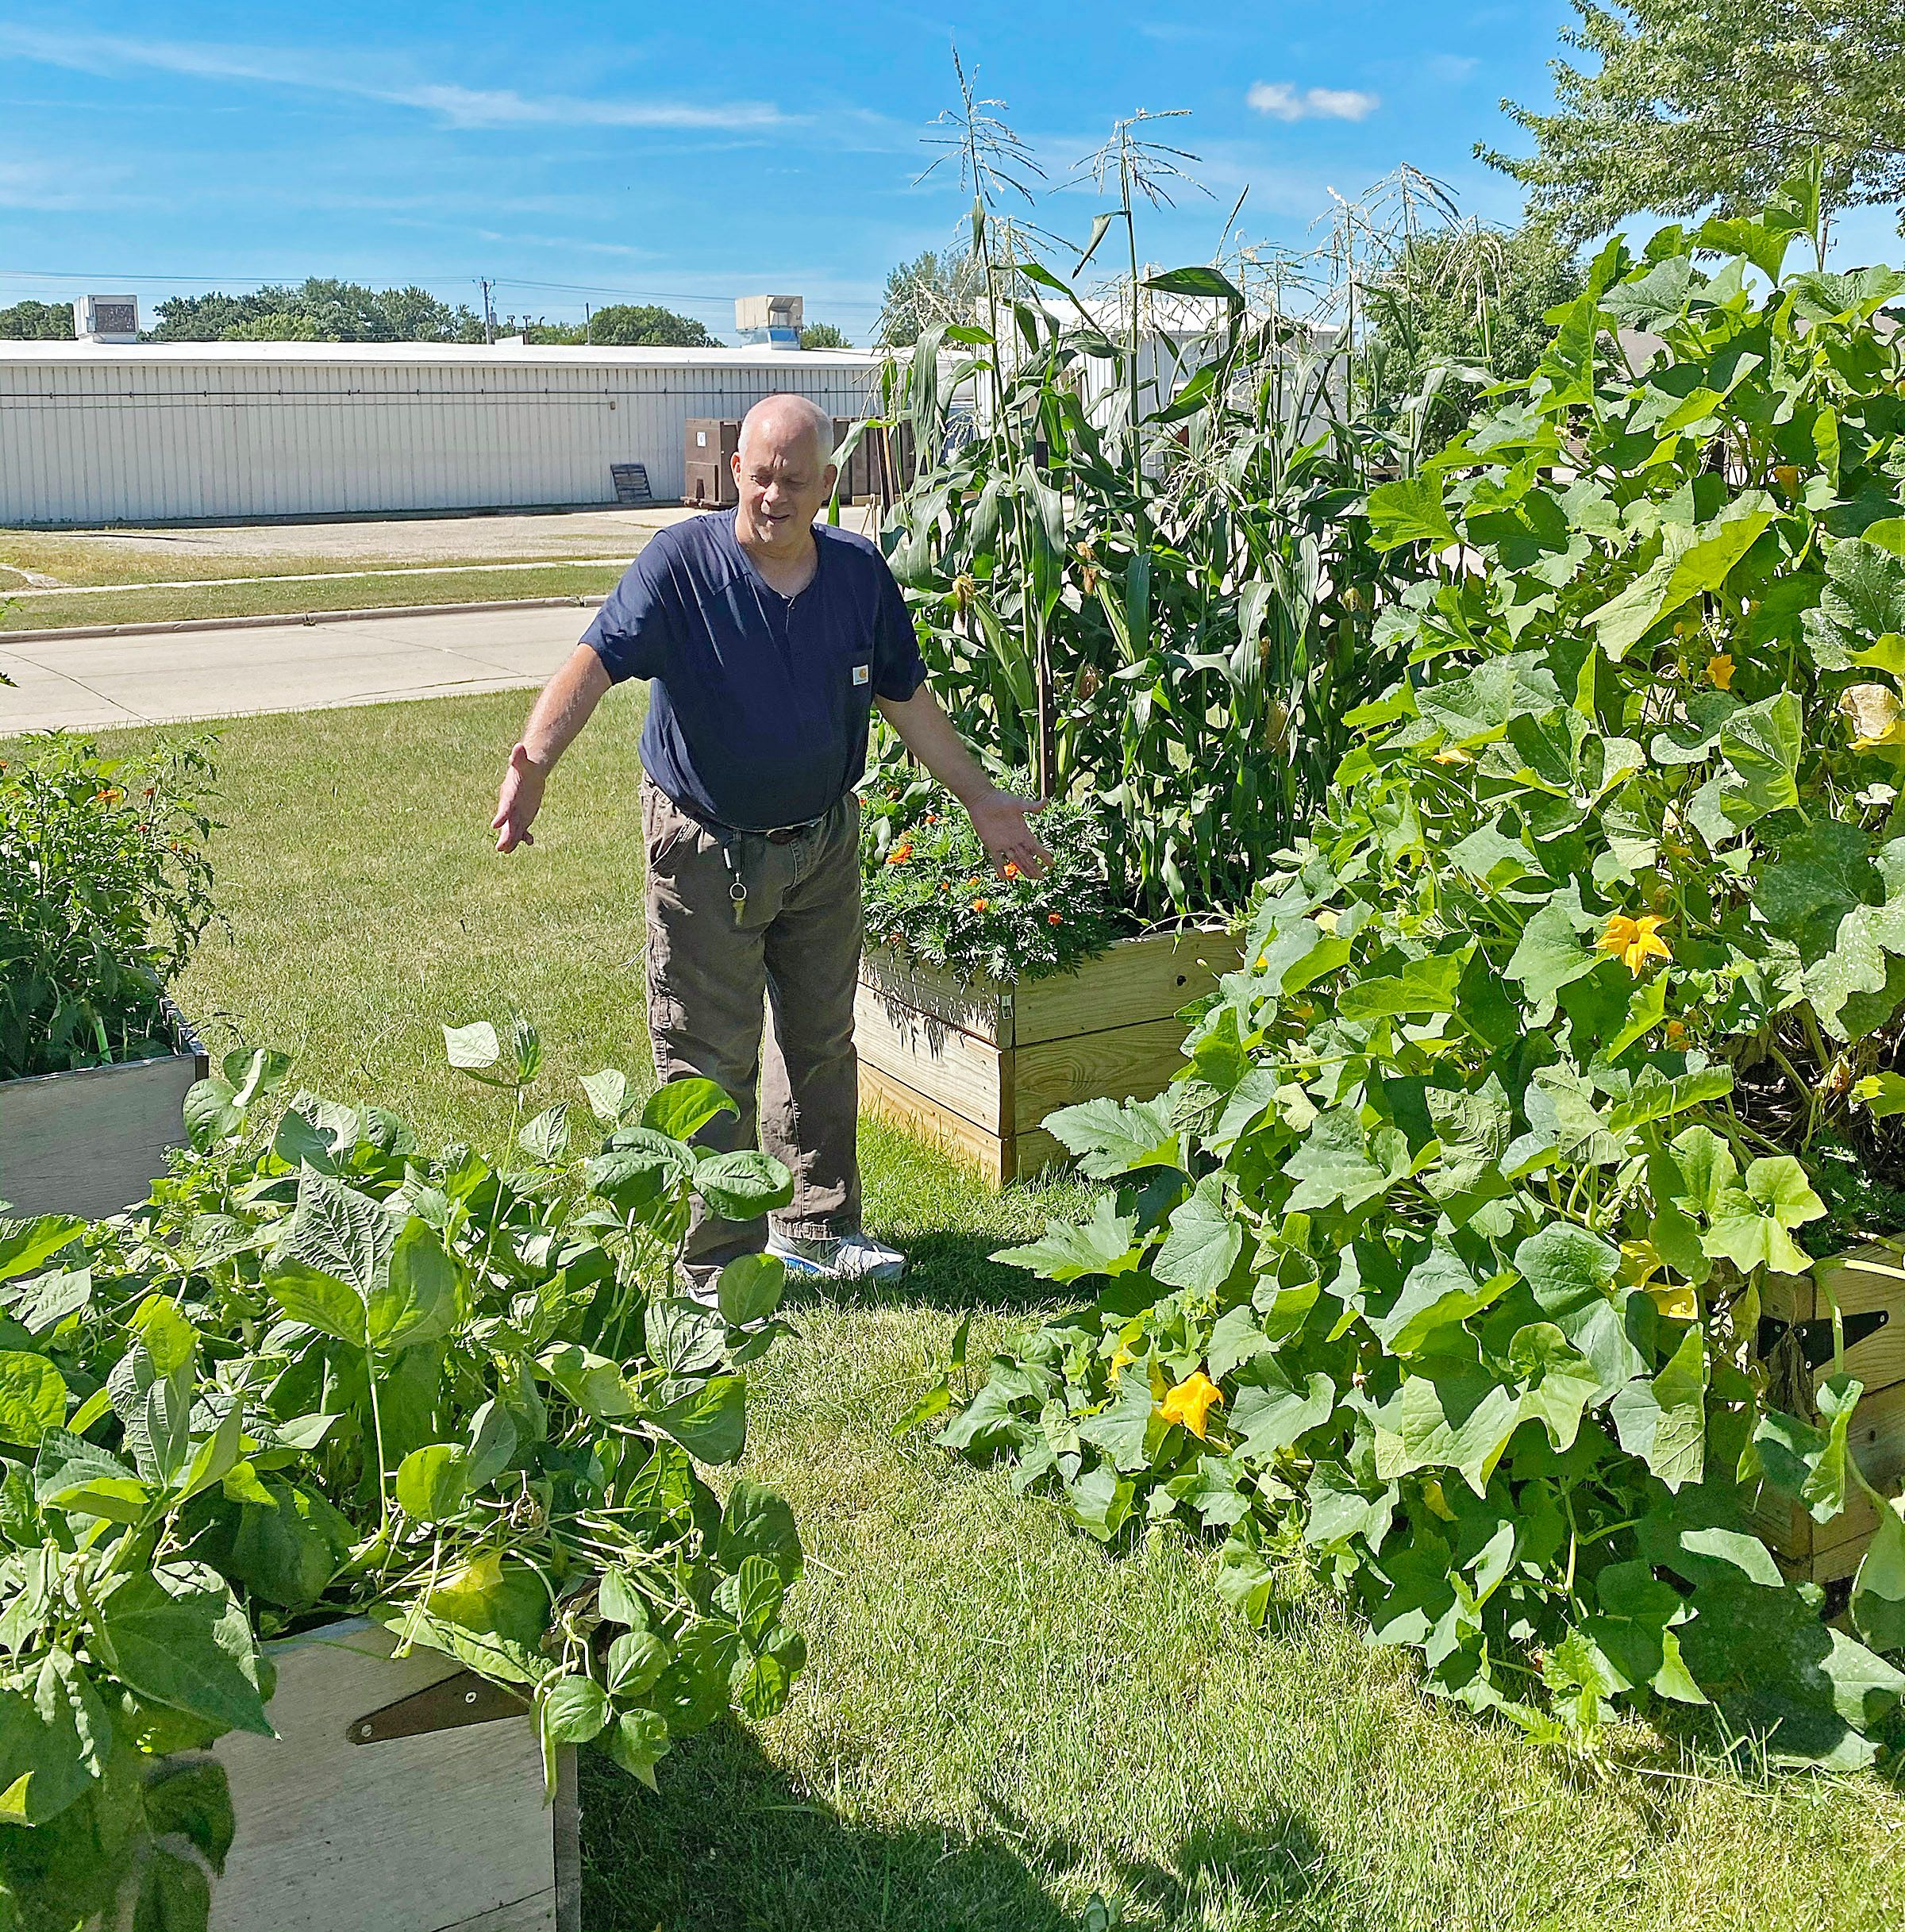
(104, 889)
(1443, 1259)
(322, 1373)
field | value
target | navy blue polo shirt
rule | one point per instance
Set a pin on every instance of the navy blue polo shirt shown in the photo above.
(761, 704)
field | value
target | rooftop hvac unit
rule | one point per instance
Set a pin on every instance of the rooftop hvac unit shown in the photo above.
(107, 318)
(770, 321)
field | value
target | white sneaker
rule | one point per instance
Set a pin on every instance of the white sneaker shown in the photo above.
(847, 1257)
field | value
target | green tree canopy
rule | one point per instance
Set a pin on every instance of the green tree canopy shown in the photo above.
(644, 326)
(823, 335)
(1695, 107)
(933, 288)
(321, 308)
(36, 322)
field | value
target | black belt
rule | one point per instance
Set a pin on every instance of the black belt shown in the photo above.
(780, 835)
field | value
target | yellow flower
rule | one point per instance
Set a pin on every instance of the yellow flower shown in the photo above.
(1873, 716)
(1453, 754)
(1190, 1401)
(1676, 1300)
(1122, 1360)
(1719, 670)
(1787, 476)
(1635, 942)
(1676, 1033)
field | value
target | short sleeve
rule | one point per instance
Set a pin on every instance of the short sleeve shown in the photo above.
(899, 670)
(635, 627)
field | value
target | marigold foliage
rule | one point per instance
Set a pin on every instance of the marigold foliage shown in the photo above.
(1467, 1196)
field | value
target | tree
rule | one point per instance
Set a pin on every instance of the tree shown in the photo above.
(933, 288)
(823, 335)
(644, 325)
(1470, 295)
(320, 308)
(36, 322)
(1696, 106)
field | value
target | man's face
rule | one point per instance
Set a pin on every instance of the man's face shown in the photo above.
(783, 477)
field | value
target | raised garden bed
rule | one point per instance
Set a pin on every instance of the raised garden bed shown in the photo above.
(978, 1066)
(1869, 1286)
(400, 1792)
(91, 1141)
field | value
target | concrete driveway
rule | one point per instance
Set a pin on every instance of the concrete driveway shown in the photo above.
(91, 683)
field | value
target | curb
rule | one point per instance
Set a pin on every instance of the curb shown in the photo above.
(10, 638)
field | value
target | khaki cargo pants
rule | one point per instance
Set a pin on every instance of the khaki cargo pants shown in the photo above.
(798, 944)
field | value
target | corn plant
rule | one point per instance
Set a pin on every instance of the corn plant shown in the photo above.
(1155, 588)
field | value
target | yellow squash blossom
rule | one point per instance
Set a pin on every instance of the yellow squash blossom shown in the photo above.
(1122, 1360)
(1635, 942)
(1873, 715)
(1719, 670)
(1190, 1401)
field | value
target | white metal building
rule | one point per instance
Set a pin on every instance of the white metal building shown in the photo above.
(153, 432)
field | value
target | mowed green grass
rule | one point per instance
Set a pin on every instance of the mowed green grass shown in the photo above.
(999, 1718)
(272, 596)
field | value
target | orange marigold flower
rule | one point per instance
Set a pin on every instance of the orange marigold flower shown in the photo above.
(1189, 1403)
(1051, 918)
(945, 885)
(980, 905)
(900, 853)
(1719, 670)
(972, 883)
(1011, 869)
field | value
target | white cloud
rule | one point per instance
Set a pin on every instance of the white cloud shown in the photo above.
(1281, 101)
(1454, 68)
(458, 106)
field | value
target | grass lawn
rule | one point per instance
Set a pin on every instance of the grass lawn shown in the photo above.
(270, 596)
(999, 1718)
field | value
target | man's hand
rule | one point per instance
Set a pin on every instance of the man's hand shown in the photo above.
(1002, 821)
(518, 802)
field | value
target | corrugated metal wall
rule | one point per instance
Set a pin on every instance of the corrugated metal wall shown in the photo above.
(98, 438)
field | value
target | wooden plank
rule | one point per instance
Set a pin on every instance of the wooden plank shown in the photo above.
(92, 1142)
(983, 1008)
(962, 1074)
(1126, 1063)
(433, 1831)
(1826, 1550)
(1138, 979)
(1032, 1153)
(917, 1114)
(1867, 1280)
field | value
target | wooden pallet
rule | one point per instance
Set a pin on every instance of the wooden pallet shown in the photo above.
(978, 1067)
(401, 1795)
(1869, 1286)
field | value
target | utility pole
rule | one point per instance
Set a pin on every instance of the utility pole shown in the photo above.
(588, 325)
(489, 314)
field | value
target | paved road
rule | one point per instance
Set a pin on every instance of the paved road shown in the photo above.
(89, 683)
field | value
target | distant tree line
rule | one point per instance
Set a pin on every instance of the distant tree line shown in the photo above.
(324, 309)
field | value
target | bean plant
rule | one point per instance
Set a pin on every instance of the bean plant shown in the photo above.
(1440, 1269)
(321, 1373)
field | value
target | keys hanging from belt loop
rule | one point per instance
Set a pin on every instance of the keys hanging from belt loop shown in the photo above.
(737, 885)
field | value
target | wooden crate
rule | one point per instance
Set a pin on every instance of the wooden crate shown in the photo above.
(978, 1068)
(404, 1830)
(1869, 1285)
(92, 1142)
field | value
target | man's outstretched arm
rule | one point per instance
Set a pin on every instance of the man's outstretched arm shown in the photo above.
(999, 818)
(566, 704)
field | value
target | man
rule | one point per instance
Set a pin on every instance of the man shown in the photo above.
(767, 642)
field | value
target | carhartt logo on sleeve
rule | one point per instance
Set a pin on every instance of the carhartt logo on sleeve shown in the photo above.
(861, 673)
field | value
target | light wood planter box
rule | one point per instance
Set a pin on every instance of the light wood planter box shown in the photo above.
(1868, 1285)
(92, 1142)
(415, 1828)
(978, 1068)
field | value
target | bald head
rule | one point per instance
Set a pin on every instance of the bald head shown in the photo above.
(786, 422)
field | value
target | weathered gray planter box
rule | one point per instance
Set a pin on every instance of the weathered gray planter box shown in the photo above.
(401, 1795)
(92, 1142)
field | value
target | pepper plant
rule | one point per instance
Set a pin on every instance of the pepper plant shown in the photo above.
(320, 1373)
(1442, 1261)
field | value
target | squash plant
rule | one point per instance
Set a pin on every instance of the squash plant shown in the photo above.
(1560, 1032)
(320, 1373)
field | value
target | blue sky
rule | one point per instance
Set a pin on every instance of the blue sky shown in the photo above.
(591, 151)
